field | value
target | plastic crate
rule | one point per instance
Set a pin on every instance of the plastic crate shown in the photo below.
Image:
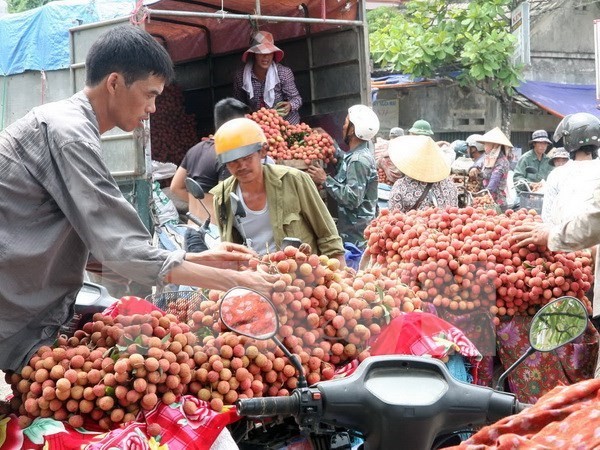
(531, 200)
(180, 303)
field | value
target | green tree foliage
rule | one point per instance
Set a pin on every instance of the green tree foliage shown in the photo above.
(16, 6)
(470, 42)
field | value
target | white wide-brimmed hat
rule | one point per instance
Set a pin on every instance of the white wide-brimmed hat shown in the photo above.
(419, 157)
(495, 136)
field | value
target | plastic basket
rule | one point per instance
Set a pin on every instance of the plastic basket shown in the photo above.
(180, 303)
(484, 200)
(531, 200)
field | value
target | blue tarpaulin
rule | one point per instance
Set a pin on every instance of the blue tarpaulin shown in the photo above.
(561, 99)
(38, 39)
(398, 78)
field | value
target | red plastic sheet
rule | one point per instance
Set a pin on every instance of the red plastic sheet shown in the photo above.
(188, 38)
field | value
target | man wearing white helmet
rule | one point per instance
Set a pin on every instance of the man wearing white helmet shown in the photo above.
(354, 186)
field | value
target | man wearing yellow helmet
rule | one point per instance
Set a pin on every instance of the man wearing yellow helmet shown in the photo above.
(278, 201)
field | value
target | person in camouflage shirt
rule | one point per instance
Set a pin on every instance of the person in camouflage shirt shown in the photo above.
(354, 185)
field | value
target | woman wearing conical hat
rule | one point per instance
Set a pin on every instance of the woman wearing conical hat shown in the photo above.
(493, 167)
(424, 175)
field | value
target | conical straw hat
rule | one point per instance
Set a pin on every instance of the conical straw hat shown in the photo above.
(495, 136)
(419, 157)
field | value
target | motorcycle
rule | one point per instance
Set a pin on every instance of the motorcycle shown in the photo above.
(526, 198)
(91, 299)
(196, 240)
(182, 236)
(383, 195)
(394, 401)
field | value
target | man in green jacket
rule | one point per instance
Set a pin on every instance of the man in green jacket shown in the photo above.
(354, 185)
(534, 166)
(278, 201)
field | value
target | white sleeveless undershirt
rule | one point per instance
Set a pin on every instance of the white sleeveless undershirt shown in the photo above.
(258, 228)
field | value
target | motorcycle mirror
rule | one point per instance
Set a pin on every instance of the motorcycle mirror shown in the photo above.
(194, 188)
(530, 170)
(557, 323)
(294, 242)
(554, 325)
(249, 313)
(238, 213)
(236, 206)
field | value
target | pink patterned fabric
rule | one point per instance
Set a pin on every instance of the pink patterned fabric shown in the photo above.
(425, 334)
(178, 431)
(541, 372)
(11, 436)
(129, 305)
(420, 334)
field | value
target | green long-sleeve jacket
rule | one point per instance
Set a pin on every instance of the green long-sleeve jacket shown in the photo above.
(541, 168)
(295, 208)
(354, 189)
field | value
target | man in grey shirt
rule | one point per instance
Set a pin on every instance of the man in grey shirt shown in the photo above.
(59, 203)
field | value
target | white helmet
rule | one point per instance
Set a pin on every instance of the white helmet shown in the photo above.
(472, 141)
(365, 121)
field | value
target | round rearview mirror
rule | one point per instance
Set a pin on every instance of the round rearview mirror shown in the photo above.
(249, 313)
(558, 323)
(194, 188)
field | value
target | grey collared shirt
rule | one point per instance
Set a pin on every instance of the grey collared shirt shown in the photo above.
(58, 204)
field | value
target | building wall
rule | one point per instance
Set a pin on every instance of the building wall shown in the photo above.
(455, 109)
(562, 51)
(562, 44)
(446, 108)
(454, 113)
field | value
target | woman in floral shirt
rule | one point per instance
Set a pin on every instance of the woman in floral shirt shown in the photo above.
(424, 180)
(494, 165)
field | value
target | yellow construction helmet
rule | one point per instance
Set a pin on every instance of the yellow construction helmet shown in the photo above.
(238, 138)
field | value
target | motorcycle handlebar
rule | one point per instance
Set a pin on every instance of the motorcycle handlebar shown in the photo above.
(269, 406)
(522, 407)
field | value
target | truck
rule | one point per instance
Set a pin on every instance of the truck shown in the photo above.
(325, 44)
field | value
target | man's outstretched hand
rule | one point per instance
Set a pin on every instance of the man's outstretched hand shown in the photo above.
(531, 233)
(226, 255)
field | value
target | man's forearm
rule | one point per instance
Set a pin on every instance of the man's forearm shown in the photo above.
(581, 232)
(203, 276)
(181, 194)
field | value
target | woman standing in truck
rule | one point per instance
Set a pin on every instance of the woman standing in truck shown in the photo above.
(263, 82)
